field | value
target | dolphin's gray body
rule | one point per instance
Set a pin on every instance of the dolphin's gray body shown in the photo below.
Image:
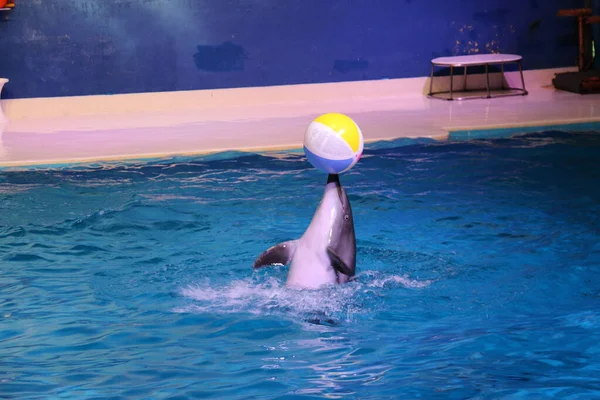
(326, 252)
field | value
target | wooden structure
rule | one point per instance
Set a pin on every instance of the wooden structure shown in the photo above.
(582, 15)
(586, 80)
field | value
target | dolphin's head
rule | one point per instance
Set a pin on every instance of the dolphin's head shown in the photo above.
(343, 227)
(342, 237)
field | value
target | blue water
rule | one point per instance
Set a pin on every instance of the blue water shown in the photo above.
(478, 262)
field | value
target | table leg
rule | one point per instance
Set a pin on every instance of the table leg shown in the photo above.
(522, 79)
(465, 79)
(451, 81)
(487, 79)
(502, 74)
(431, 80)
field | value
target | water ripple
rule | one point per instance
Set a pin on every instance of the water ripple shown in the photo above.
(477, 276)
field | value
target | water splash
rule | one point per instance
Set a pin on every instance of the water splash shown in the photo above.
(271, 297)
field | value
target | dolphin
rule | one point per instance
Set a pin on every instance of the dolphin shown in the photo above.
(326, 252)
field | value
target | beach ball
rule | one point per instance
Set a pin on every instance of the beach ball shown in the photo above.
(333, 143)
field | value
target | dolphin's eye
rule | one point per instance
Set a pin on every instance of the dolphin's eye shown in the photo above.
(346, 217)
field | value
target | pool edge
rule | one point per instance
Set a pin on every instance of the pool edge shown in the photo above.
(503, 131)
(155, 157)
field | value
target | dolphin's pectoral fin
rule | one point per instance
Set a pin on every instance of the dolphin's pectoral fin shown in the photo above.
(281, 253)
(338, 264)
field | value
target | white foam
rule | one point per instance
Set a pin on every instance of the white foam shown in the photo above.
(271, 297)
(403, 280)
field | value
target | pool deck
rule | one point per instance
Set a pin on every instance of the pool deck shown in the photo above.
(259, 119)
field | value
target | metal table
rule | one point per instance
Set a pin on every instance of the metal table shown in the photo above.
(475, 60)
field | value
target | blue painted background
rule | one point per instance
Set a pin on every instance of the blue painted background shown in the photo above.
(80, 47)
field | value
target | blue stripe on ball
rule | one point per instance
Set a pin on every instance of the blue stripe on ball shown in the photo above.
(326, 165)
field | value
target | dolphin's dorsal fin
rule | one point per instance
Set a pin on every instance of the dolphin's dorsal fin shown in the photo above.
(281, 253)
(338, 264)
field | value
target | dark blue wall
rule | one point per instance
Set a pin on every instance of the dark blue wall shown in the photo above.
(80, 47)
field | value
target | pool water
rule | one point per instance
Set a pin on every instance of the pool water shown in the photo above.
(478, 276)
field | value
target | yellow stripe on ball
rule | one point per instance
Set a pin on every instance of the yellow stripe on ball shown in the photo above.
(345, 126)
